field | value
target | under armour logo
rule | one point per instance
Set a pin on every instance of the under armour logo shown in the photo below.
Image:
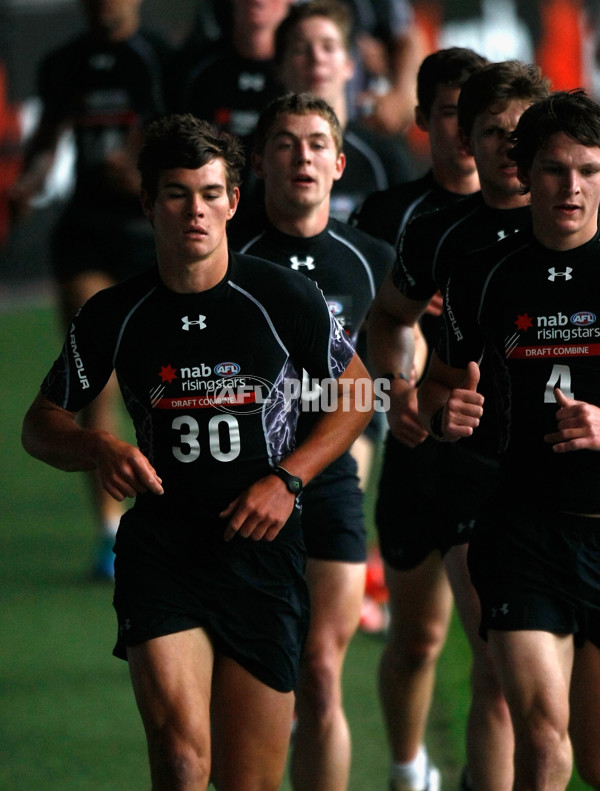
(500, 610)
(298, 264)
(554, 274)
(187, 323)
(251, 82)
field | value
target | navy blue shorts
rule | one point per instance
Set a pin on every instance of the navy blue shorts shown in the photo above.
(537, 570)
(333, 516)
(428, 498)
(250, 596)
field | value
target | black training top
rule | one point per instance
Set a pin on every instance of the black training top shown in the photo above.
(348, 265)
(106, 92)
(539, 310)
(386, 213)
(204, 376)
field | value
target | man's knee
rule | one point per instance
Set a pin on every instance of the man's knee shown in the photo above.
(176, 764)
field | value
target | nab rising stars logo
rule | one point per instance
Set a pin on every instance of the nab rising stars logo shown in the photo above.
(200, 322)
(297, 263)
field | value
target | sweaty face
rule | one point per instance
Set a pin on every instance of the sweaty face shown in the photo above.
(300, 162)
(316, 60)
(564, 182)
(489, 144)
(190, 212)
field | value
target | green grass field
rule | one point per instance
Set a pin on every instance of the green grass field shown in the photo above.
(67, 717)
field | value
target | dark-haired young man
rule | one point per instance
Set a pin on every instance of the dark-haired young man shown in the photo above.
(209, 350)
(420, 597)
(534, 556)
(490, 103)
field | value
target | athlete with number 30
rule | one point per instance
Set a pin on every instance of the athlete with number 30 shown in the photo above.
(210, 592)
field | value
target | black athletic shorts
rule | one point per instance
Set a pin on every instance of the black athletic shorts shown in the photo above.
(537, 570)
(428, 498)
(250, 596)
(86, 240)
(333, 516)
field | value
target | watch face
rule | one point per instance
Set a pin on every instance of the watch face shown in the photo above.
(293, 482)
(295, 485)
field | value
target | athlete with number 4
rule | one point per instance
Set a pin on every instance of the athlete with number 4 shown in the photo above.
(534, 556)
(210, 593)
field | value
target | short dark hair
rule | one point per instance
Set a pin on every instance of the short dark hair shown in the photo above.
(304, 103)
(450, 67)
(572, 112)
(339, 13)
(184, 141)
(498, 84)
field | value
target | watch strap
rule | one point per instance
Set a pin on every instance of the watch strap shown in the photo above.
(293, 482)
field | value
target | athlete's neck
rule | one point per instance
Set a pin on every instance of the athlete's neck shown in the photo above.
(259, 45)
(115, 30)
(194, 277)
(499, 200)
(299, 222)
(460, 183)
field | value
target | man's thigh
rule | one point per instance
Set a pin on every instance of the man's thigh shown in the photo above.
(251, 729)
(535, 671)
(172, 678)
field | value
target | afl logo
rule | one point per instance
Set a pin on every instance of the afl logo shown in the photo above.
(335, 307)
(583, 319)
(227, 369)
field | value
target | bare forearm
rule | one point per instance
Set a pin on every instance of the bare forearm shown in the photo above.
(390, 344)
(53, 436)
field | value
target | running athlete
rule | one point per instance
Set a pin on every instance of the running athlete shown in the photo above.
(210, 595)
(535, 553)
(298, 153)
(104, 86)
(489, 106)
(420, 598)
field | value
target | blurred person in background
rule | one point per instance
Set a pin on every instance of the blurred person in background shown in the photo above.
(387, 47)
(103, 86)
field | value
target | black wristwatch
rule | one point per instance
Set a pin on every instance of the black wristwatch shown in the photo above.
(293, 483)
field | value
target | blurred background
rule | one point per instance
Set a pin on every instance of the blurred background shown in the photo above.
(67, 718)
(561, 35)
